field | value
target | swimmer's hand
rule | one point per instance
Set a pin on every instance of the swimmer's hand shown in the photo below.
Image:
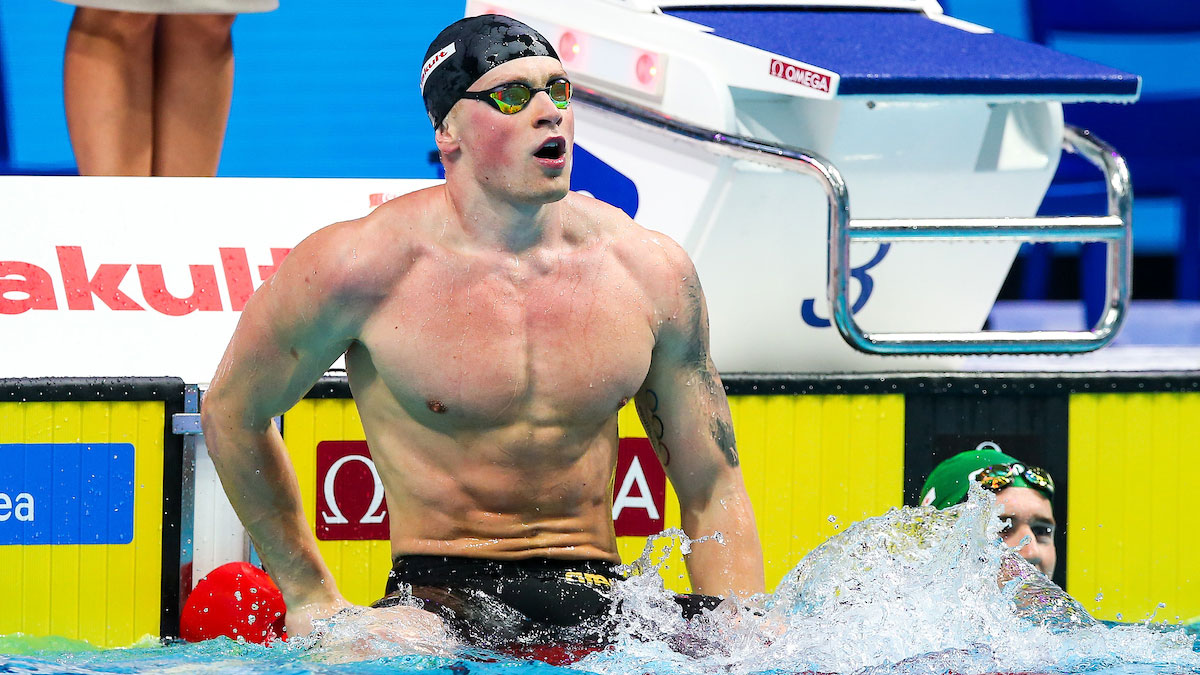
(302, 618)
(734, 621)
(358, 633)
(749, 620)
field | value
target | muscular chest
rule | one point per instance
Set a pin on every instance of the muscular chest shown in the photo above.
(489, 342)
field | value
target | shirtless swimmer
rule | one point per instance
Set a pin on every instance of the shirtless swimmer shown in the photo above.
(493, 326)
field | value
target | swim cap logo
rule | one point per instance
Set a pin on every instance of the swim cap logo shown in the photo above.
(930, 497)
(434, 61)
(799, 75)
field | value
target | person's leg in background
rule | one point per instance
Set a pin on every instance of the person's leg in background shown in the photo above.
(108, 91)
(193, 88)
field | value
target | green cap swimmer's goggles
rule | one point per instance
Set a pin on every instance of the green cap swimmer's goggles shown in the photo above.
(986, 465)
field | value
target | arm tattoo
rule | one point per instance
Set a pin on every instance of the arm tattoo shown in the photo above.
(698, 358)
(655, 428)
(697, 347)
(722, 432)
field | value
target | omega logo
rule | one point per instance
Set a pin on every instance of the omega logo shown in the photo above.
(798, 75)
(351, 502)
(375, 512)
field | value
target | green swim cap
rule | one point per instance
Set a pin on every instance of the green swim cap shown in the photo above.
(947, 483)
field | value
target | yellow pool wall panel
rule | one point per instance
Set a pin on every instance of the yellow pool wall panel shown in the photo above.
(1132, 504)
(106, 594)
(812, 465)
(360, 568)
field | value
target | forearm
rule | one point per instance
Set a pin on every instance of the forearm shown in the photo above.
(735, 567)
(257, 475)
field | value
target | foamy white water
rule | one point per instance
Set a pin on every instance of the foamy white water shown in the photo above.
(915, 590)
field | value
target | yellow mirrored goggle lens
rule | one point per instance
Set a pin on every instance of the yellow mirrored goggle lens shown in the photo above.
(513, 98)
(510, 100)
(560, 93)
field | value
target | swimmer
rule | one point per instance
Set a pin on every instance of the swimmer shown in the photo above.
(492, 326)
(1025, 491)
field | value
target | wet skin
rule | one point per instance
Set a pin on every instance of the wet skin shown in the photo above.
(1030, 514)
(493, 327)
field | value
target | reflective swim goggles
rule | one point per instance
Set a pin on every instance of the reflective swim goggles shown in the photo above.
(999, 476)
(512, 97)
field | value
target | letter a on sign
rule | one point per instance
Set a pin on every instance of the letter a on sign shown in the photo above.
(640, 490)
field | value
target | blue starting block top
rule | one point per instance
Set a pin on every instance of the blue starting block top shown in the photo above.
(889, 52)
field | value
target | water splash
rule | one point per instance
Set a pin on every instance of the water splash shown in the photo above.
(915, 590)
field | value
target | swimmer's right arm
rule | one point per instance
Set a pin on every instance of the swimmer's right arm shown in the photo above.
(291, 330)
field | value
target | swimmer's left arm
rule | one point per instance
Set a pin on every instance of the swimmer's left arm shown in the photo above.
(683, 407)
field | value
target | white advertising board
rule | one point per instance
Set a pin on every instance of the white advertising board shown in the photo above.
(111, 277)
(104, 277)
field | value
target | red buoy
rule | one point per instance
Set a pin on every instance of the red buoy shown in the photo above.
(237, 600)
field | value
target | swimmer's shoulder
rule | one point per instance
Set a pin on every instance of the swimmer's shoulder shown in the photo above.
(634, 244)
(368, 255)
(595, 214)
(655, 260)
(409, 218)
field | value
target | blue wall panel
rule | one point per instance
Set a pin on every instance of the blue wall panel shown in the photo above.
(66, 493)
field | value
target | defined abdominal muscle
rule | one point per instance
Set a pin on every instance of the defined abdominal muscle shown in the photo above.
(585, 534)
(514, 488)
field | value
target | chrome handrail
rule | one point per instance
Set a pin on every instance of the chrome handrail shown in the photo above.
(1114, 230)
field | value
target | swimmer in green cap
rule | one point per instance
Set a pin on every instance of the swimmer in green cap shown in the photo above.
(1026, 492)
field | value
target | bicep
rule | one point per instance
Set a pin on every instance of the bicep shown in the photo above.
(287, 337)
(683, 406)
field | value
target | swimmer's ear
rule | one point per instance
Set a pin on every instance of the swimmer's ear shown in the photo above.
(446, 137)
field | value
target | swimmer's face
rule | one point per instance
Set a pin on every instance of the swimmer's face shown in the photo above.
(1030, 515)
(515, 154)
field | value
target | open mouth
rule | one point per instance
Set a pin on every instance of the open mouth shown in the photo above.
(553, 148)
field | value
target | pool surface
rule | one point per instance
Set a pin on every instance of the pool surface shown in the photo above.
(912, 591)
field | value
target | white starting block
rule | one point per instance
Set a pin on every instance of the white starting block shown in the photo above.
(691, 118)
(917, 125)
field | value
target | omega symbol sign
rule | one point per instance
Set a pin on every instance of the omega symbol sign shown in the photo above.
(350, 499)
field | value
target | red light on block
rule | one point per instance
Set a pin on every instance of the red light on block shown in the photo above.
(647, 68)
(569, 46)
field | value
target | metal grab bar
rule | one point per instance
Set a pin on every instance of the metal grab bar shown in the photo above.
(1113, 229)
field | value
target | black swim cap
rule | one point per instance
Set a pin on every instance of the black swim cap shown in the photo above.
(467, 49)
